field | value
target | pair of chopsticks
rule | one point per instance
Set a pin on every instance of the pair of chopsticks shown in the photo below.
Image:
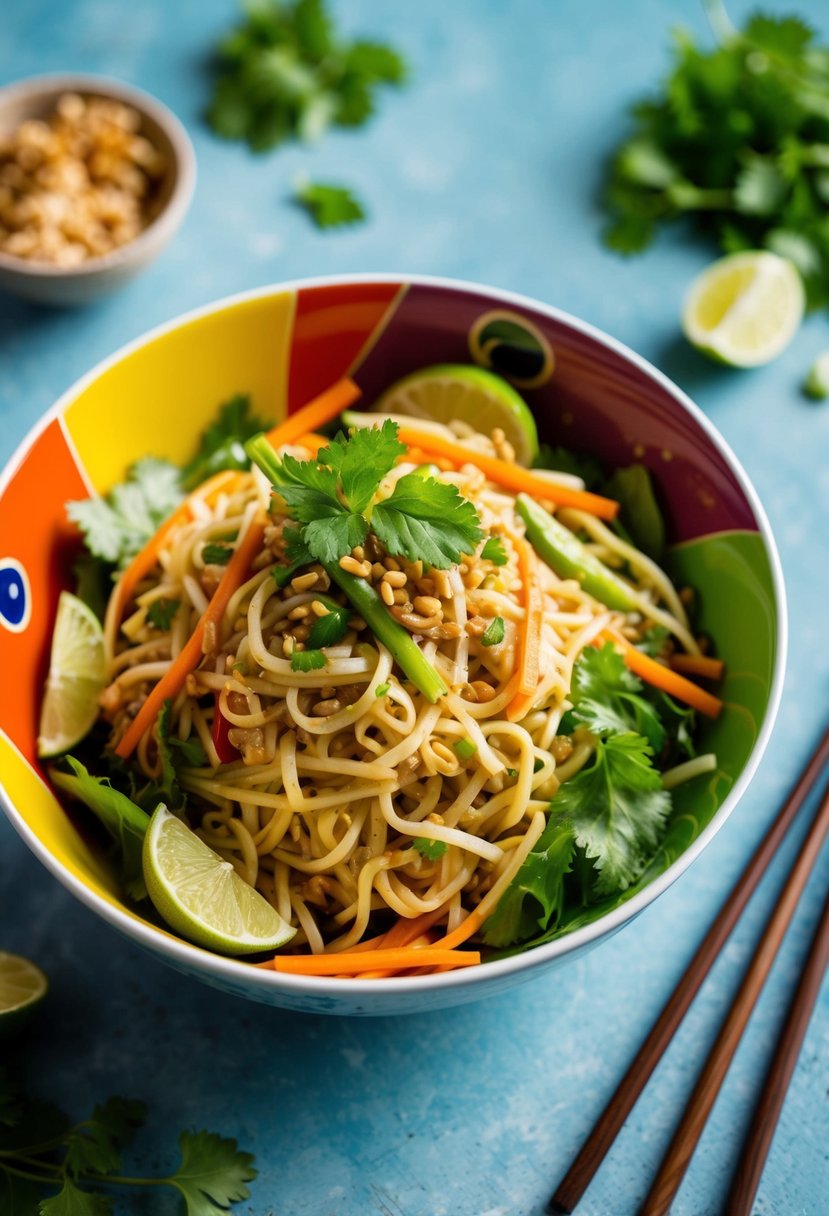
(758, 1141)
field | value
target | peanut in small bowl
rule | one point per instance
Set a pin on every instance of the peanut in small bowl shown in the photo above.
(95, 178)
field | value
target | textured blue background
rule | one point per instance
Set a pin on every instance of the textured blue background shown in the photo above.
(486, 167)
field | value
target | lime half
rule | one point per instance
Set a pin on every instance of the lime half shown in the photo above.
(201, 896)
(22, 987)
(455, 391)
(744, 309)
(77, 675)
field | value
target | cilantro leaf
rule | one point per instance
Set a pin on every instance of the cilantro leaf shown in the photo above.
(494, 634)
(115, 527)
(432, 850)
(608, 698)
(535, 898)
(95, 1145)
(216, 554)
(329, 205)
(72, 1201)
(161, 612)
(494, 551)
(329, 629)
(125, 822)
(222, 444)
(653, 641)
(427, 520)
(307, 660)
(310, 492)
(616, 808)
(375, 61)
(212, 1174)
(362, 460)
(328, 539)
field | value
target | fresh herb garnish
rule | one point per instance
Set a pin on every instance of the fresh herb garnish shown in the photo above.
(330, 629)
(285, 72)
(307, 660)
(381, 690)
(432, 850)
(608, 699)
(534, 899)
(216, 554)
(494, 551)
(175, 753)
(331, 499)
(738, 140)
(329, 206)
(55, 1167)
(161, 612)
(115, 527)
(222, 444)
(494, 633)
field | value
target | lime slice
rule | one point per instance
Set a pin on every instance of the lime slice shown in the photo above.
(77, 675)
(744, 309)
(201, 896)
(455, 391)
(22, 987)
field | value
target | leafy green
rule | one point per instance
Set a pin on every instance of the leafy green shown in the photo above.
(494, 551)
(361, 461)
(738, 140)
(285, 73)
(432, 850)
(639, 515)
(329, 630)
(494, 633)
(535, 898)
(216, 554)
(608, 699)
(425, 519)
(115, 527)
(212, 1173)
(382, 690)
(94, 1147)
(222, 444)
(616, 808)
(307, 660)
(122, 818)
(161, 612)
(72, 1201)
(175, 753)
(329, 205)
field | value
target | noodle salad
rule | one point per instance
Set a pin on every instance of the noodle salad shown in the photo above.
(428, 704)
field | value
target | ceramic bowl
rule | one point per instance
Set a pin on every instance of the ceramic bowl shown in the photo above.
(283, 345)
(49, 284)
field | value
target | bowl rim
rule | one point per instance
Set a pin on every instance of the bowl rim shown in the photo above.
(260, 983)
(184, 163)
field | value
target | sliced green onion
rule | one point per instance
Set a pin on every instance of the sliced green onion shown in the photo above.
(465, 749)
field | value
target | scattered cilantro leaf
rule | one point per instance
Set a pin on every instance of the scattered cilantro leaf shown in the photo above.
(607, 697)
(382, 690)
(330, 629)
(425, 519)
(161, 612)
(654, 641)
(72, 1201)
(432, 850)
(285, 72)
(494, 633)
(534, 899)
(617, 809)
(94, 1146)
(329, 205)
(212, 1174)
(494, 551)
(222, 444)
(115, 527)
(307, 660)
(362, 460)
(216, 554)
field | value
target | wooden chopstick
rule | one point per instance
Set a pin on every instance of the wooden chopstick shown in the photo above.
(758, 1141)
(681, 1149)
(609, 1123)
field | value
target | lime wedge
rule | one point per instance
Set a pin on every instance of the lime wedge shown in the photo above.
(77, 675)
(744, 309)
(455, 391)
(201, 896)
(22, 987)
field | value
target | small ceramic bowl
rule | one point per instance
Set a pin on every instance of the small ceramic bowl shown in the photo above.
(47, 283)
(283, 345)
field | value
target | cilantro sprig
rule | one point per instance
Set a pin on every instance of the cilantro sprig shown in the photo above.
(738, 141)
(336, 501)
(116, 526)
(329, 205)
(53, 1167)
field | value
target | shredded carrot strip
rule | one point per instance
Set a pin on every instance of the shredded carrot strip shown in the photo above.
(509, 475)
(662, 677)
(697, 665)
(464, 931)
(172, 682)
(418, 456)
(353, 963)
(530, 638)
(315, 414)
(405, 931)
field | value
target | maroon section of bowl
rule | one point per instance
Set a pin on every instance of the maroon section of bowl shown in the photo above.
(596, 401)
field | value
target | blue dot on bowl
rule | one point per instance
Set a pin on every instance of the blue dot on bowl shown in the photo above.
(13, 596)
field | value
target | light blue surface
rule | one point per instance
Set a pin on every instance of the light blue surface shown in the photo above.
(486, 167)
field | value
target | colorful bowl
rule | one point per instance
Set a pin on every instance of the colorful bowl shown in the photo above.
(283, 345)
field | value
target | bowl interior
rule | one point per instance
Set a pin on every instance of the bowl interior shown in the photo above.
(282, 347)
